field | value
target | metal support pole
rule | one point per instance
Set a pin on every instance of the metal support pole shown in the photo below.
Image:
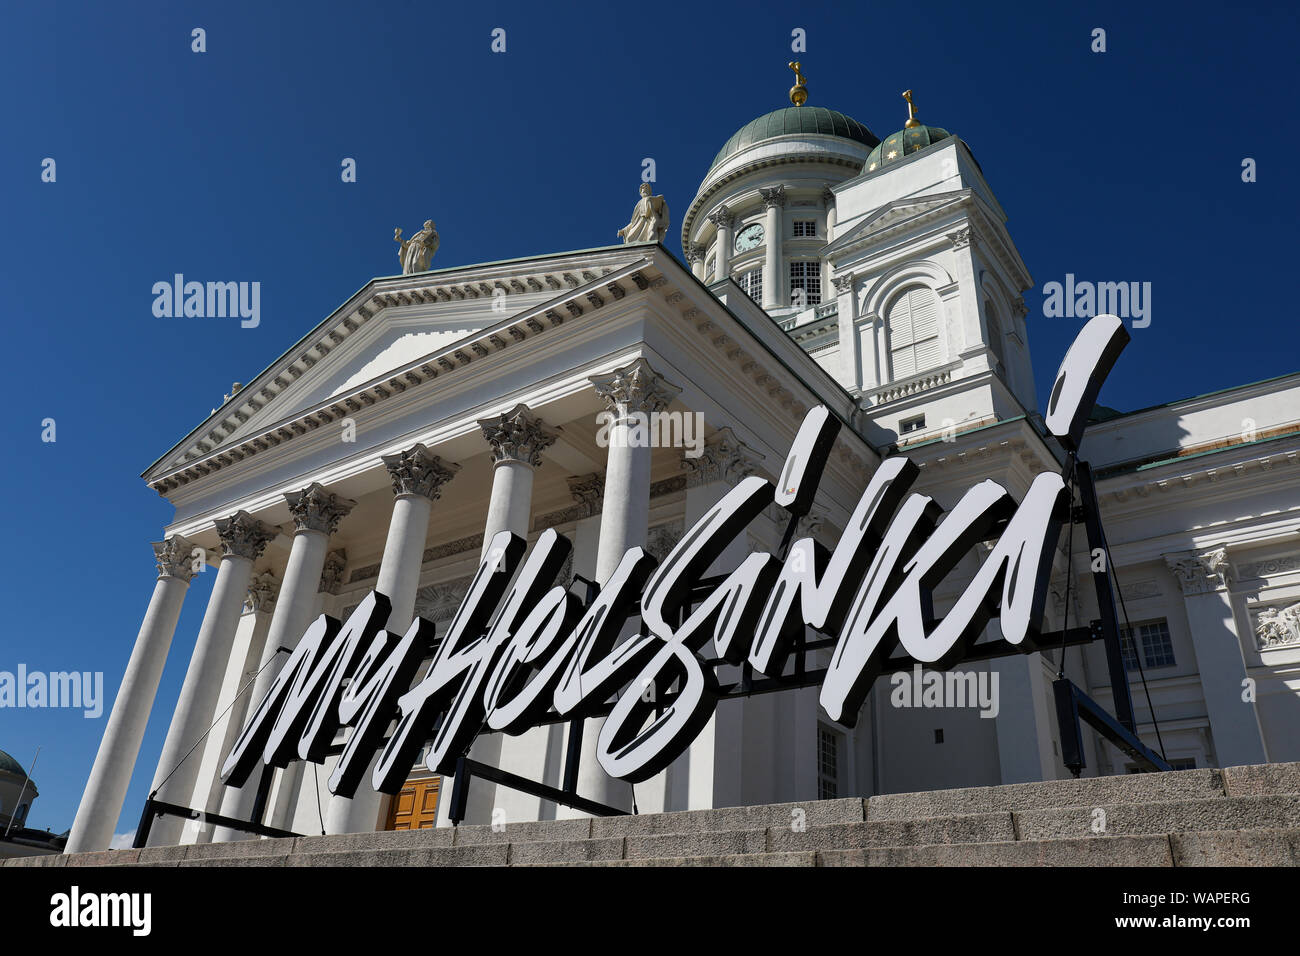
(1105, 598)
(1067, 720)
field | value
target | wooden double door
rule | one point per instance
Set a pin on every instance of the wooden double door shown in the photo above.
(416, 807)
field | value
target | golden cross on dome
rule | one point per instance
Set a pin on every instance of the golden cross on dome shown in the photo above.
(912, 121)
(798, 92)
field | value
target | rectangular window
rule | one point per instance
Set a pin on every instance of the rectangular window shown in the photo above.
(709, 270)
(911, 425)
(828, 763)
(752, 283)
(805, 228)
(805, 276)
(1157, 648)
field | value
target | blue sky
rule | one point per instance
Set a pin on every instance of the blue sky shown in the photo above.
(1122, 166)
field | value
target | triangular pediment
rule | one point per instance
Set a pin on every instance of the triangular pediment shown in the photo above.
(393, 338)
(391, 324)
(892, 214)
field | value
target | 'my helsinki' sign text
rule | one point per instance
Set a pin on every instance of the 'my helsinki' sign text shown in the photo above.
(517, 652)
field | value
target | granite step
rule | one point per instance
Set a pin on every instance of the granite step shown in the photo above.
(1182, 785)
(1269, 847)
(1197, 813)
(1225, 813)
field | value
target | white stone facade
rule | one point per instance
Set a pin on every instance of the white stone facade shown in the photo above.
(468, 420)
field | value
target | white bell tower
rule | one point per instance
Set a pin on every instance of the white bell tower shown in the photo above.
(931, 319)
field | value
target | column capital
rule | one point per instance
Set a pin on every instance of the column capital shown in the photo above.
(774, 196)
(262, 592)
(1201, 572)
(243, 536)
(828, 197)
(588, 491)
(961, 238)
(722, 217)
(315, 509)
(517, 435)
(694, 252)
(332, 574)
(417, 471)
(724, 458)
(843, 283)
(636, 388)
(175, 558)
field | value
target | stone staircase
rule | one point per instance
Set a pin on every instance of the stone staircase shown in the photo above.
(1239, 816)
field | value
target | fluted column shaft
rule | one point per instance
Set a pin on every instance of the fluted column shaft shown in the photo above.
(316, 514)
(635, 389)
(242, 539)
(101, 802)
(399, 569)
(517, 439)
(417, 477)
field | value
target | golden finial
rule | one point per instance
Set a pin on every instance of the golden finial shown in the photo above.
(798, 92)
(912, 121)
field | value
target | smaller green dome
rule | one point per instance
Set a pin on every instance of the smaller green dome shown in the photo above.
(9, 765)
(903, 143)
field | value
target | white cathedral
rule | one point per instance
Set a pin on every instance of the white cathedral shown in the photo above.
(825, 266)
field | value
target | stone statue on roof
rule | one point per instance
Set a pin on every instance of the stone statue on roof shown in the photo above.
(415, 253)
(649, 219)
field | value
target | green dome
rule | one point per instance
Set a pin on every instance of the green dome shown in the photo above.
(903, 143)
(791, 121)
(9, 765)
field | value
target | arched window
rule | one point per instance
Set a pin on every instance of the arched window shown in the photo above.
(912, 323)
(995, 334)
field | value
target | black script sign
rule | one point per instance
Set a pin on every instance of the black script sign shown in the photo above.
(521, 649)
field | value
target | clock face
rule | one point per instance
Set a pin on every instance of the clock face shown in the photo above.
(749, 237)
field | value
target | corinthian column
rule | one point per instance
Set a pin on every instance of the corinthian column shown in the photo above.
(517, 439)
(774, 199)
(101, 802)
(631, 394)
(316, 515)
(722, 219)
(418, 477)
(243, 538)
(708, 774)
(695, 258)
(1205, 577)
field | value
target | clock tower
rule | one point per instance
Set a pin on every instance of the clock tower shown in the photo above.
(765, 210)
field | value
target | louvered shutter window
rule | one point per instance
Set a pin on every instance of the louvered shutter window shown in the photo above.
(913, 326)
